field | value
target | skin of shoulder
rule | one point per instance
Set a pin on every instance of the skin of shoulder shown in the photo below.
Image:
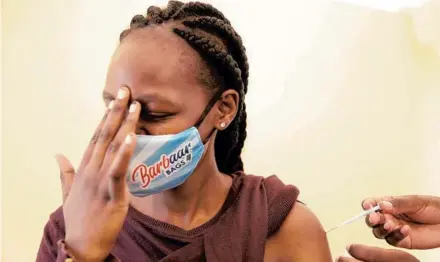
(301, 237)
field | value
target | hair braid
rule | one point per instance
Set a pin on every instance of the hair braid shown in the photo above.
(172, 8)
(203, 44)
(242, 134)
(203, 26)
(198, 9)
(226, 32)
(155, 13)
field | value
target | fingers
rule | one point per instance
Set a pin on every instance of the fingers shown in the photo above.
(128, 126)
(370, 254)
(117, 182)
(67, 173)
(398, 237)
(347, 259)
(396, 205)
(111, 126)
(403, 204)
(375, 219)
(372, 202)
(390, 230)
(89, 150)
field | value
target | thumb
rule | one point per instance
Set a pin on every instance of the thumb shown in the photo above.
(67, 173)
(402, 204)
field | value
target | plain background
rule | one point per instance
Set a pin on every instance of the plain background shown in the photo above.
(343, 102)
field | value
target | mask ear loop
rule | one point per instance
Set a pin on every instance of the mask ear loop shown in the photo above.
(205, 112)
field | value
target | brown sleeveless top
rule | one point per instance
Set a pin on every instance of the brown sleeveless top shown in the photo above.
(254, 209)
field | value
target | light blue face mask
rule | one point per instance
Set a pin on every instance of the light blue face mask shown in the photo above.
(164, 162)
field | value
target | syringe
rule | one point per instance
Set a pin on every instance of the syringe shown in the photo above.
(351, 220)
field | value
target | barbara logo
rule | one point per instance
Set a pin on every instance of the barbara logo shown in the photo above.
(168, 165)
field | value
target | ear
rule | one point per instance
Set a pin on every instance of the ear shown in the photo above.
(227, 108)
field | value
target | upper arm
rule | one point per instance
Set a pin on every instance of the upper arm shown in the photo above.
(301, 237)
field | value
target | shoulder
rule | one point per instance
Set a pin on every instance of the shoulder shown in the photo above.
(272, 185)
(301, 237)
(276, 193)
(279, 198)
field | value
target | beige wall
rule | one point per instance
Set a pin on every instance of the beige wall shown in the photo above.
(1, 134)
(345, 98)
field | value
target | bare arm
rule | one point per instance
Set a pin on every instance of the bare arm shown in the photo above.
(300, 238)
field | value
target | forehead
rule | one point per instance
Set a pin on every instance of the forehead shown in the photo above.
(152, 60)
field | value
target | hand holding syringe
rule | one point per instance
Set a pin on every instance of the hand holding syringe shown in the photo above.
(361, 215)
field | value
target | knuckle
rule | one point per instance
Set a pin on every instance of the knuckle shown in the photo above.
(105, 134)
(103, 192)
(113, 147)
(105, 116)
(95, 137)
(106, 196)
(118, 108)
(116, 176)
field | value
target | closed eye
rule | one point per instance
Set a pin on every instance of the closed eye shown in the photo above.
(155, 116)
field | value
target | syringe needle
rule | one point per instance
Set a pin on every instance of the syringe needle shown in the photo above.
(351, 220)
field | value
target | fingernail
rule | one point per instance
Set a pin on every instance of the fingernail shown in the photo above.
(110, 105)
(386, 226)
(370, 219)
(387, 204)
(121, 93)
(366, 204)
(132, 108)
(405, 229)
(128, 139)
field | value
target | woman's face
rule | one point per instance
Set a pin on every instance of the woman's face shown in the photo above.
(162, 72)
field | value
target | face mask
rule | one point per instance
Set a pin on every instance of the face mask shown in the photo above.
(164, 162)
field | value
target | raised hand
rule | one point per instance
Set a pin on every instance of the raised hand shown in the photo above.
(96, 195)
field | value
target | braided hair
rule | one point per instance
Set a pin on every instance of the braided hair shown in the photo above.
(207, 30)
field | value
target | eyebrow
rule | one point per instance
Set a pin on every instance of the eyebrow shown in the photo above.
(145, 98)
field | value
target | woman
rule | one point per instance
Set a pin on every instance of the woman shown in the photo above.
(176, 68)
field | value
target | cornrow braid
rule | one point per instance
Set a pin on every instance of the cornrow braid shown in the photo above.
(201, 27)
(226, 32)
(172, 8)
(198, 9)
(155, 13)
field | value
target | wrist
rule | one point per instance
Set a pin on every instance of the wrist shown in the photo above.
(77, 256)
